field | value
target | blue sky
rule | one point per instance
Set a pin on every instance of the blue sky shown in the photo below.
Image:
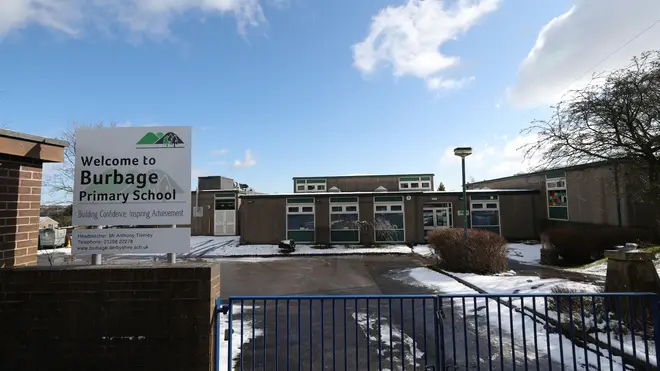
(283, 88)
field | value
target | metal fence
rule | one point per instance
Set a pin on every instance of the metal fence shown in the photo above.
(439, 332)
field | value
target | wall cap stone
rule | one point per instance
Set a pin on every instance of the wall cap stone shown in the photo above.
(33, 138)
(635, 255)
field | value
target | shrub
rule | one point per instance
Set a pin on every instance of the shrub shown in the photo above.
(484, 253)
(582, 246)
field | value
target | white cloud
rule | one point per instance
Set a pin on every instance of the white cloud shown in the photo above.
(408, 37)
(141, 17)
(500, 157)
(247, 162)
(576, 42)
(217, 152)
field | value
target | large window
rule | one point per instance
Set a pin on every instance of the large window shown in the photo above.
(344, 218)
(557, 197)
(311, 185)
(417, 183)
(300, 219)
(389, 219)
(485, 213)
(225, 201)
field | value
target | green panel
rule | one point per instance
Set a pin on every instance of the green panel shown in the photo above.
(225, 195)
(316, 181)
(344, 236)
(343, 199)
(558, 212)
(409, 179)
(299, 200)
(300, 236)
(484, 197)
(426, 178)
(555, 174)
(388, 198)
(300, 181)
(492, 229)
(396, 235)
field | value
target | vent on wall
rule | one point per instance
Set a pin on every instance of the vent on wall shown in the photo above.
(334, 189)
(381, 189)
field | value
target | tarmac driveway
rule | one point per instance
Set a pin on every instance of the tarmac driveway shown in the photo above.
(347, 334)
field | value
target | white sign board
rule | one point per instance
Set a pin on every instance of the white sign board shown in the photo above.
(132, 176)
(130, 241)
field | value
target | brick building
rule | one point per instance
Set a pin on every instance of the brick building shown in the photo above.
(21, 159)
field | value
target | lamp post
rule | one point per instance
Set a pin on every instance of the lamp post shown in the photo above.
(464, 152)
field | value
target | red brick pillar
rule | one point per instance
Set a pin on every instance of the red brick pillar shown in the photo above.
(20, 199)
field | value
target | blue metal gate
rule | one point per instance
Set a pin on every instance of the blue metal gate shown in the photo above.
(438, 332)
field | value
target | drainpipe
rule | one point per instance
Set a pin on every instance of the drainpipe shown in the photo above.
(617, 194)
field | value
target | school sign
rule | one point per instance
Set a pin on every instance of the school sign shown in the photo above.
(132, 176)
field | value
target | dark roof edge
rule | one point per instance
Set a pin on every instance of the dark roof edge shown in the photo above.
(33, 138)
(361, 176)
(540, 172)
(422, 193)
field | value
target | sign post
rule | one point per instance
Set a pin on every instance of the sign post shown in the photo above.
(134, 176)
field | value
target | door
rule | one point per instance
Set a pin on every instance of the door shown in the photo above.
(224, 216)
(436, 217)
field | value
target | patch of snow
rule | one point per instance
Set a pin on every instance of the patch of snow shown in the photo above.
(273, 250)
(514, 321)
(526, 254)
(371, 325)
(61, 250)
(236, 343)
(424, 250)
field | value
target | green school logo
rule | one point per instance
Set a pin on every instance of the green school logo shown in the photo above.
(160, 140)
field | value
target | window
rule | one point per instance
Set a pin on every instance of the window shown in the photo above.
(225, 201)
(422, 183)
(311, 185)
(300, 219)
(557, 196)
(389, 219)
(344, 220)
(485, 214)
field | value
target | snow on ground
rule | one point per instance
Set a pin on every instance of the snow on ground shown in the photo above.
(370, 325)
(61, 250)
(526, 254)
(548, 344)
(424, 250)
(210, 247)
(237, 340)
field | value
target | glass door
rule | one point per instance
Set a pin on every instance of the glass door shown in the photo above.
(436, 217)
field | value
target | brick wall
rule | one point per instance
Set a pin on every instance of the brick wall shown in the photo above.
(152, 317)
(20, 197)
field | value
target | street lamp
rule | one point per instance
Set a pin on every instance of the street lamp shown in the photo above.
(464, 152)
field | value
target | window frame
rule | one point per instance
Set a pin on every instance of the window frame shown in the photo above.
(484, 207)
(554, 179)
(224, 197)
(311, 185)
(415, 183)
(343, 206)
(300, 207)
(388, 205)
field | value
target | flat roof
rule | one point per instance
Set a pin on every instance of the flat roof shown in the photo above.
(340, 194)
(32, 138)
(361, 176)
(588, 165)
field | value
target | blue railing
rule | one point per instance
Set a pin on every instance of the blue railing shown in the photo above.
(438, 332)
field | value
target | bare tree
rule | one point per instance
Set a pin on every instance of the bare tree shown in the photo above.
(63, 176)
(615, 118)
